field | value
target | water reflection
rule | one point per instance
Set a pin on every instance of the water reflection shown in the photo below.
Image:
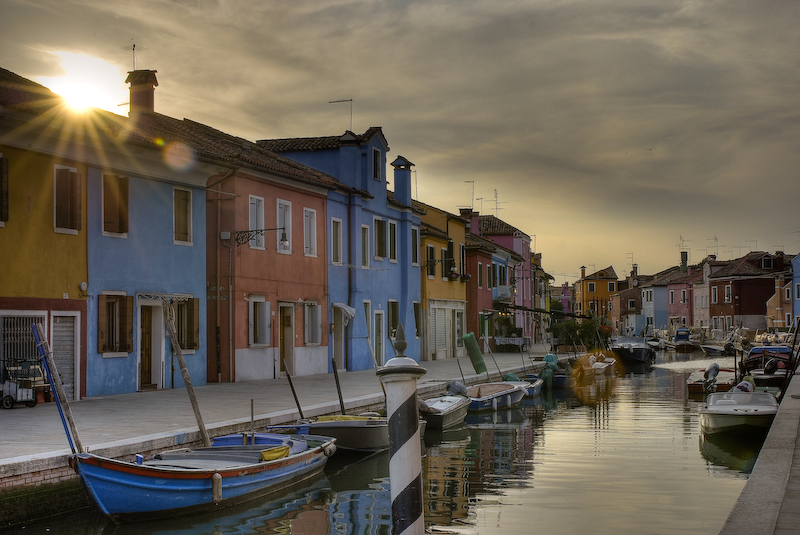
(620, 454)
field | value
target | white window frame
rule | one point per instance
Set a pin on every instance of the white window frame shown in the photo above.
(313, 323)
(377, 164)
(310, 232)
(714, 295)
(365, 246)
(612, 286)
(788, 294)
(337, 250)
(590, 287)
(672, 297)
(376, 236)
(256, 221)
(683, 296)
(284, 221)
(728, 293)
(480, 275)
(393, 315)
(391, 241)
(258, 304)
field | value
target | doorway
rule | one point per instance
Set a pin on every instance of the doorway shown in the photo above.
(151, 344)
(338, 338)
(287, 337)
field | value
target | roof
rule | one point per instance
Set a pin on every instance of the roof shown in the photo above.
(493, 226)
(157, 132)
(746, 267)
(608, 274)
(322, 143)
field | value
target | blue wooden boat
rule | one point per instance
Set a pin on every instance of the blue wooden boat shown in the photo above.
(492, 396)
(181, 482)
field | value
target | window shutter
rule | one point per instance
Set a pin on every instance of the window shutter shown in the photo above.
(62, 198)
(193, 329)
(4, 190)
(102, 306)
(126, 323)
(123, 204)
(75, 201)
(307, 323)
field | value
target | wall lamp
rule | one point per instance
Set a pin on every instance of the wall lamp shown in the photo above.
(245, 236)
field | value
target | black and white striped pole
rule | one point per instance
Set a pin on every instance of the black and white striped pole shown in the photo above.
(399, 377)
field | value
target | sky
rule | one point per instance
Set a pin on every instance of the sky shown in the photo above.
(612, 132)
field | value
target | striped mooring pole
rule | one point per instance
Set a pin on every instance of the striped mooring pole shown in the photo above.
(399, 377)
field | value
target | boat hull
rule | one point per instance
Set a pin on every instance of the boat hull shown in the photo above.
(128, 492)
(492, 396)
(634, 351)
(738, 412)
(449, 411)
(352, 433)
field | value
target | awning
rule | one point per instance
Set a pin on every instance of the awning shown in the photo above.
(348, 311)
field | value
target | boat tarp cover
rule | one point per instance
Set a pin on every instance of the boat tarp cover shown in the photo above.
(474, 352)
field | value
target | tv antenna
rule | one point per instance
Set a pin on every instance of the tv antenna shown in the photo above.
(350, 100)
(496, 203)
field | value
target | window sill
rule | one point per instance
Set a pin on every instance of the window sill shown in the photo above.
(184, 243)
(70, 231)
(114, 355)
(123, 235)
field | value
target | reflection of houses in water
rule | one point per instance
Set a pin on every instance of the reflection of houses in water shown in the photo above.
(445, 470)
(362, 501)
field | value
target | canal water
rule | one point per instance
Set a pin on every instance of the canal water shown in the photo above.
(621, 455)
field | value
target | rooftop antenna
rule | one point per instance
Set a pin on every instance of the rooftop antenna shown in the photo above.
(350, 100)
(716, 245)
(755, 244)
(480, 199)
(496, 203)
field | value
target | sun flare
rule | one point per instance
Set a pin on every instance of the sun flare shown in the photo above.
(88, 82)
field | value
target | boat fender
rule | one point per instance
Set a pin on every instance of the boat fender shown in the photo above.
(494, 403)
(216, 487)
(329, 450)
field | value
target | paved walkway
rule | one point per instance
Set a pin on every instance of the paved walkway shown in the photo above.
(34, 439)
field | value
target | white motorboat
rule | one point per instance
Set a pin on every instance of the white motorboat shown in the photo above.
(737, 411)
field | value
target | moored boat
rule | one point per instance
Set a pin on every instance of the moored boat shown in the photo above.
(738, 411)
(186, 481)
(632, 349)
(491, 396)
(681, 341)
(711, 379)
(444, 412)
(359, 433)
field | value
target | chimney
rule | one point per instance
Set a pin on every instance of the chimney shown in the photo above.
(402, 180)
(143, 85)
(684, 261)
(583, 272)
(635, 271)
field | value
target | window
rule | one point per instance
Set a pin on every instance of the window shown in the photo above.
(766, 263)
(612, 286)
(182, 204)
(417, 318)
(259, 321)
(683, 296)
(450, 263)
(728, 295)
(392, 242)
(631, 304)
(788, 320)
(284, 222)
(3, 190)
(480, 275)
(481, 325)
(458, 324)
(590, 287)
(380, 239)
(67, 194)
(462, 268)
(188, 324)
(309, 232)
(115, 204)
(445, 263)
(430, 264)
(364, 246)
(376, 164)
(797, 289)
(672, 297)
(115, 323)
(336, 241)
(313, 324)
(414, 246)
(257, 221)
(788, 294)
(714, 296)
(489, 280)
(394, 317)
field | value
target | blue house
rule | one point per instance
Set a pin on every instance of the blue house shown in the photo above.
(373, 246)
(146, 253)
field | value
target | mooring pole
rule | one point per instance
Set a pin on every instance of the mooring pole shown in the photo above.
(399, 376)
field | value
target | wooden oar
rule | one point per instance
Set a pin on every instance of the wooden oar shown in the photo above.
(291, 385)
(338, 386)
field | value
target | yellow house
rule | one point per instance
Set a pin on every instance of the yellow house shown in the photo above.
(43, 236)
(443, 285)
(593, 292)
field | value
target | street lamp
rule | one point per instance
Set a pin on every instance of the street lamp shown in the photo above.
(245, 236)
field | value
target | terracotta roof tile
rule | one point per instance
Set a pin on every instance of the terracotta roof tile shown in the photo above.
(320, 143)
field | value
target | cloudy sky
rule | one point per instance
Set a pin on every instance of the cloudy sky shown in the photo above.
(612, 131)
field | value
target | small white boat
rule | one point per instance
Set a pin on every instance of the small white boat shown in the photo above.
(737, 411)
(444, 412)
(492, 396)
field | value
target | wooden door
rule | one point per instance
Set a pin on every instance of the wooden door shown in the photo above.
(146, 355)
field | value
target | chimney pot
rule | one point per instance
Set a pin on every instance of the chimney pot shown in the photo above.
(143, 84)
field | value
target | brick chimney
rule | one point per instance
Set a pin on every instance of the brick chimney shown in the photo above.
(143, 84)
(684, 261)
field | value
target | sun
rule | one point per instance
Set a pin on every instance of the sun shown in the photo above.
(88, 82)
